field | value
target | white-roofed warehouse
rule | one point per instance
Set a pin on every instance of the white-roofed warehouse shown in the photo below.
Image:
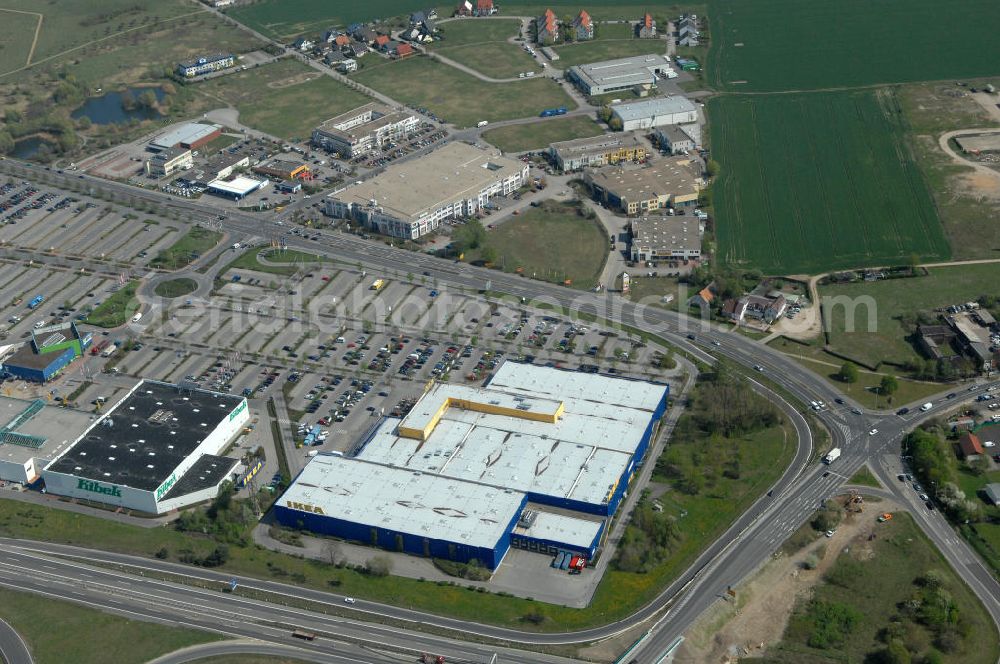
(566, 441)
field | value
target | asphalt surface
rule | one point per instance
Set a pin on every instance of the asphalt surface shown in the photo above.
(759, 532)
(13, 649)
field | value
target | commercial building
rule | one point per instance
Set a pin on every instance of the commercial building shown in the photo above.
(634, 72)
(282, 168)
(190, 135)
(364, 129)
(670, 182)
(410, 199)
(648, 113)
(222, 166)
(165, 163)
(238, 188)
(597, 151)
(49, 351)
(666, 239)
(33, 434)
(538, 459)
(205, 65)
(675, 139)
(154, 451)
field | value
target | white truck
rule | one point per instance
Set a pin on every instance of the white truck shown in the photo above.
(482, 123)
(832, 456)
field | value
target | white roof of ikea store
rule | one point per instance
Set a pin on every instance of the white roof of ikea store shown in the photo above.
(570, 530)
(580, 457)
(669, 105)
(432, 401)
(189, 132)
(405, 501)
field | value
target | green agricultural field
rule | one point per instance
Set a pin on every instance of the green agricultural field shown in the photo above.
(537, 135)
(285, 99)
(772, 45)
(54, 628)
(284, 20)
(458, 97)
(819, 181)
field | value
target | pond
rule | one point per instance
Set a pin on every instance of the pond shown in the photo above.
(27, 148)
(109, 109)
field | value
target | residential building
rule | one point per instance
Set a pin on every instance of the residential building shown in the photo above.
(635, 72)
(381, 42)
(970, 446)
(687, 31)
(646, 28)
(303, 44)
(583, 27)
(220, 4)
(670, 182)
(365, 35)
(669, 110)
(475, 8)
(547, 28)
(334, 58)
(342, 40)
(358, 49)
(674, 139)
(205, 64)
(330, 35)
(597, 151)
(464, 8)
(364, 129)
(170, 160)
(763, 308)
(666, 238)
(412, 198)
(348, 65)
(992, 492)
(403, 51)
(973, 338)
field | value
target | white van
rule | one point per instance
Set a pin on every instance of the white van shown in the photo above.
(137, 317)
(927, 406)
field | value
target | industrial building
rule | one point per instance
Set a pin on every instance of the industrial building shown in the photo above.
(648, 113)
(364, 129)
(979, 144)
(676, 139)
(222, 166)
(538, 459)
(49, 351)
(410, 199)
(170, 160)
(639, 72)
(671, 182)
(237, 189)
(282, 168)
(666, 238)
(32, 434)
(205, 65)
(597, 151)
(154, 451)
(190, 135)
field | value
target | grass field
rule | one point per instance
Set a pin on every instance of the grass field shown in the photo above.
(483, 46)
(552, 243)
(537, 135)
(188, 247)
(458, 97)
(610, 41)
(116, 309)
(472, 33)
(285, 99)
(773, 45)
(876, 578)
(53, 629)
(794, 199)
(285, 263)
(15, 39)
(864, 477)
(176, 287)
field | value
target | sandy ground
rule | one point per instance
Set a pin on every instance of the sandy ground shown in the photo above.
(746, 625)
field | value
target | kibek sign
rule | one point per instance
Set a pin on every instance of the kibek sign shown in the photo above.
(239, 409)
(166, 486)
(97, 487)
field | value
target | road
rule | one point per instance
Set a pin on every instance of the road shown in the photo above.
(13, 649)
(756, 535)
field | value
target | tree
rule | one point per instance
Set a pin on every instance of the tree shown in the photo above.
(6, 142)
(615, 124)
(889, 384)
(849, 373)
(378, 565)
(712, 168)
(489, 254)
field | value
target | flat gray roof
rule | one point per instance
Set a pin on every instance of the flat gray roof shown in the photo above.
(58, 426)
(636, 110)
(634, 70)
(188, 132)
(577, 531)
(983, 143)
(454, 172)
(372, 107)
(667, 233)
(405, 500)
(597, 144)
(672, 176)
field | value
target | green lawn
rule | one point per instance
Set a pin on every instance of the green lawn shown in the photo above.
(458, 97)
(875, 579)
(472, 33)
(285, 99)
(984, 536)
(864, 477)
(772, 45)
(790, 199)
(538, 135)
(117, 309)
(15, 39)
(54, 629)
(187, 249)
(176, 287)
(612, 41)
(483, 46)
(551, 243)
(284, 263)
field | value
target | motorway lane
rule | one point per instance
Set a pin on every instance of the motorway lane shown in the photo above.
(242, 647)
(13, 649)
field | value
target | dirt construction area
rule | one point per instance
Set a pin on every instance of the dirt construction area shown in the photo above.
(746, 625)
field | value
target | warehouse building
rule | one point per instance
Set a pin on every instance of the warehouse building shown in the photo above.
(223, 165)
(167, 162)
(33, 434)
(655, 112)
(154, 451)
(410, 199)
(364, 129)
(538, 459)
(205, 65)
(979, 144)
(597, 151)
(190, 135)
(666, 239)
(671, 182)
(638, 72)
(50, 350)
(675, 139)
(282, 168)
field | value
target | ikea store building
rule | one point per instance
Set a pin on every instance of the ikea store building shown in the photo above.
(538, 459)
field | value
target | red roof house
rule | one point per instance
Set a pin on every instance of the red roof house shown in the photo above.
(969, 445)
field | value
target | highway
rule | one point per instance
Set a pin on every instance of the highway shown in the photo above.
(758, 533)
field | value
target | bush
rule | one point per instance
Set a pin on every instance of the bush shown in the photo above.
(831, 623)
(378, 566)
(810, 562)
